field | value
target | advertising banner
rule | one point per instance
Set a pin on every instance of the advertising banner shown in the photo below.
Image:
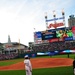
(54, 40)
(55, 25)
(37, 38)
(73, 31)
(37, 35)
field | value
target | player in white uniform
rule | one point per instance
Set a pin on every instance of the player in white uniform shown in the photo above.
(28, 66)
(74, 66)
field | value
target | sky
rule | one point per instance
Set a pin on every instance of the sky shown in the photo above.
(21, 18)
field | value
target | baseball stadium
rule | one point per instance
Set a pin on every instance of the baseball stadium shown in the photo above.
(51, 53)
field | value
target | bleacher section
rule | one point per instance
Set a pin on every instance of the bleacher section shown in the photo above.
(65, 45)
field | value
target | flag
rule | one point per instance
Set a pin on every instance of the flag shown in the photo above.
(19, 41)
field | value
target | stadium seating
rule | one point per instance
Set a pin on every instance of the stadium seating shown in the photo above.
(65, 45)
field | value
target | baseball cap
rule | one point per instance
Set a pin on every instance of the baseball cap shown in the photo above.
(26, 56)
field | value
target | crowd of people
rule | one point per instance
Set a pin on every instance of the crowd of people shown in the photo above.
(65, 45)
(8, 56)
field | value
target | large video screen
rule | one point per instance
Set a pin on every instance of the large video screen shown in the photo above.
(48, 35)
(66, 34)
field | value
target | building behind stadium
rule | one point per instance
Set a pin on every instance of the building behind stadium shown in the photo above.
(12, 50)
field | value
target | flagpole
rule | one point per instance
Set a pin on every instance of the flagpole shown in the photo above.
(19, 46)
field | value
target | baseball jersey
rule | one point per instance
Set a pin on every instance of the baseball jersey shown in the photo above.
(28, 65)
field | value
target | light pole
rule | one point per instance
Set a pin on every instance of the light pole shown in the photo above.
(54, 15)
(46, 20)
(63, 14)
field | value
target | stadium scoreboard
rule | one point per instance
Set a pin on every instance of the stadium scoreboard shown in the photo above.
(54, 35)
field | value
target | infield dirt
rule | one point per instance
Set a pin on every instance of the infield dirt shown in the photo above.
(40, 63)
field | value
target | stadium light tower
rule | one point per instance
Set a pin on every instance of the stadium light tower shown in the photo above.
(63, 14)
(54, 15)
(46, 20)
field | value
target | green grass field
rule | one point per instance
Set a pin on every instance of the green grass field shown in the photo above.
(44, 71)
(9, 62)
